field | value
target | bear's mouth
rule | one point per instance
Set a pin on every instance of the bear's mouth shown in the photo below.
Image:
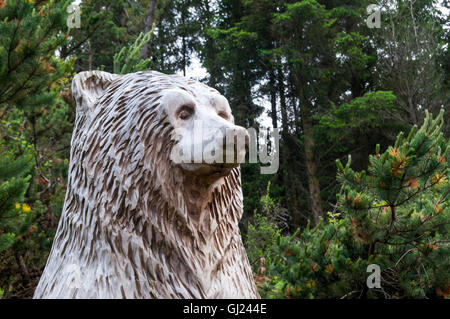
(205, 170)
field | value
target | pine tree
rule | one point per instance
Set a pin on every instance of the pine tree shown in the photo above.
(30, 33)
(396, 215)
(128, 59)
(400, 207)
(14, 182)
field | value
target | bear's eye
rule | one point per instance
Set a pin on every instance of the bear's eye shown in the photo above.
(223, 115)
(185, 112)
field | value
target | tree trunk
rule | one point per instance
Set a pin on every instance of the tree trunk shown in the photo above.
(311, 166)
(183, 41)
(23, 268)
(150, 19)
(273, 98)
(289, 177)
(210, 48)
(90, 57)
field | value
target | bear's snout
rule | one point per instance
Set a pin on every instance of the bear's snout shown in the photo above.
(212, 146)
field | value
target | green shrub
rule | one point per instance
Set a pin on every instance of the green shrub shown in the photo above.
(395, 215)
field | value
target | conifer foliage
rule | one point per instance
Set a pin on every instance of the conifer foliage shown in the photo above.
(401, 207)
(128, 60)
(30, 33)
(396, 215)
(31, 74)
(14, 182)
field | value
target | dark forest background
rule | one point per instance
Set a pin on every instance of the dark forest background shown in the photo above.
(332, 85)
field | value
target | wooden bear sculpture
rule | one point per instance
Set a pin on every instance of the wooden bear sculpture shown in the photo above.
(136, 223)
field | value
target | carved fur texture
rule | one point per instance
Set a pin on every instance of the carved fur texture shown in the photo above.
(135, 224)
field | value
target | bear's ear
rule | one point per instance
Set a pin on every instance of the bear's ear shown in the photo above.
(88, 86)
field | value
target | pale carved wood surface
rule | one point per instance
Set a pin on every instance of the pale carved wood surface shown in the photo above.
(134, 224)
